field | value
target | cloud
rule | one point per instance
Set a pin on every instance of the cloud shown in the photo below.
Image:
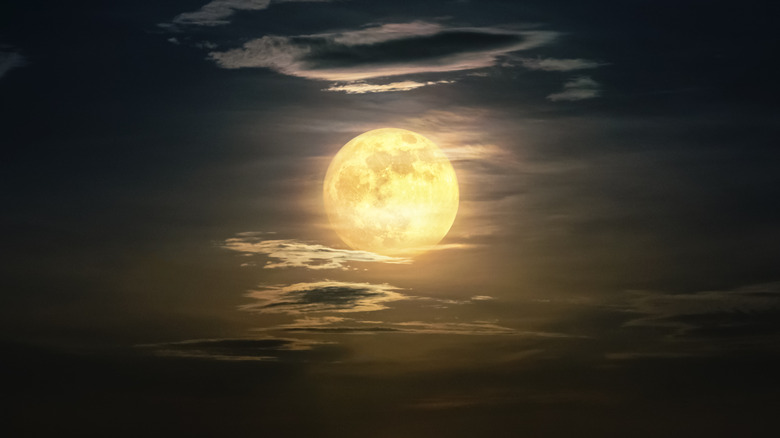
(441, 302)
(352, 326)
(323, 296)
(362, 87)
(577, 89)
(705, 311)
(382, 51)
(454, 328)
(384, 32)
(240, 349)
(350, 57)
(551, 64)
(289, 253)
(337, 297)
(9, 60)
(708, 323)
(218, 12)
(332, 325)
(468, 136)
(482, 298)
(481, 152)
(215, 13)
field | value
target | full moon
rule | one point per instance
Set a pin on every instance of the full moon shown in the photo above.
(392, 192)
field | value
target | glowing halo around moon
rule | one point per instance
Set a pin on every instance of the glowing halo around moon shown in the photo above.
(392, 192)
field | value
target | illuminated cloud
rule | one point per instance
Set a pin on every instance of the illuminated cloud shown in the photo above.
(9, 60)
(336, 297)
(291, 253)
(323, 296)
(362, 87)
(481, 152)
(384, 32)
(241, 349)
(551, 64)
(482, 298)
(349, 57)
(461, 134)
(218, 12)
(442, 301)
(382, 51)
(577, 89)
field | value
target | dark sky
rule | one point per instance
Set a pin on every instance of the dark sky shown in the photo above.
(168, 268)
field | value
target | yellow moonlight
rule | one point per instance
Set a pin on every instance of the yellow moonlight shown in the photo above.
(392, 192)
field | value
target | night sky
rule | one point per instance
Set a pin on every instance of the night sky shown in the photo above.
(168, 268)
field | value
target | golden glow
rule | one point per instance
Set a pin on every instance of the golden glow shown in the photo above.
(391, 191)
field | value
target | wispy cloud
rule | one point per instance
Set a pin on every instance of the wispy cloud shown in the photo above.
(235, 349)
(338, 297)
(552, 64)
(707, 323)
(9, 60)
(382, 51)
(580, 88)
(362, 87)
(218, 12)
(481, 152)
(338, 325)
(323, 296)
(290, 253)
(482, 298)
(688, 312)
(454, 328)
(478, 142)
(462, 135)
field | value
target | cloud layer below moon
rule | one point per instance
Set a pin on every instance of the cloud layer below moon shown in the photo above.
(291, 253)
(323, 296)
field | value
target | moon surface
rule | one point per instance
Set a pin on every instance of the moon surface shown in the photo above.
(392, 192)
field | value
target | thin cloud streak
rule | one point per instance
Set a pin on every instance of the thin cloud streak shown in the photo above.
(480, 152)
(362, 87)
(232, 349)
(552, 64)
(342, 326)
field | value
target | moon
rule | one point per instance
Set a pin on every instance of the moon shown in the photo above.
(392, 192)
